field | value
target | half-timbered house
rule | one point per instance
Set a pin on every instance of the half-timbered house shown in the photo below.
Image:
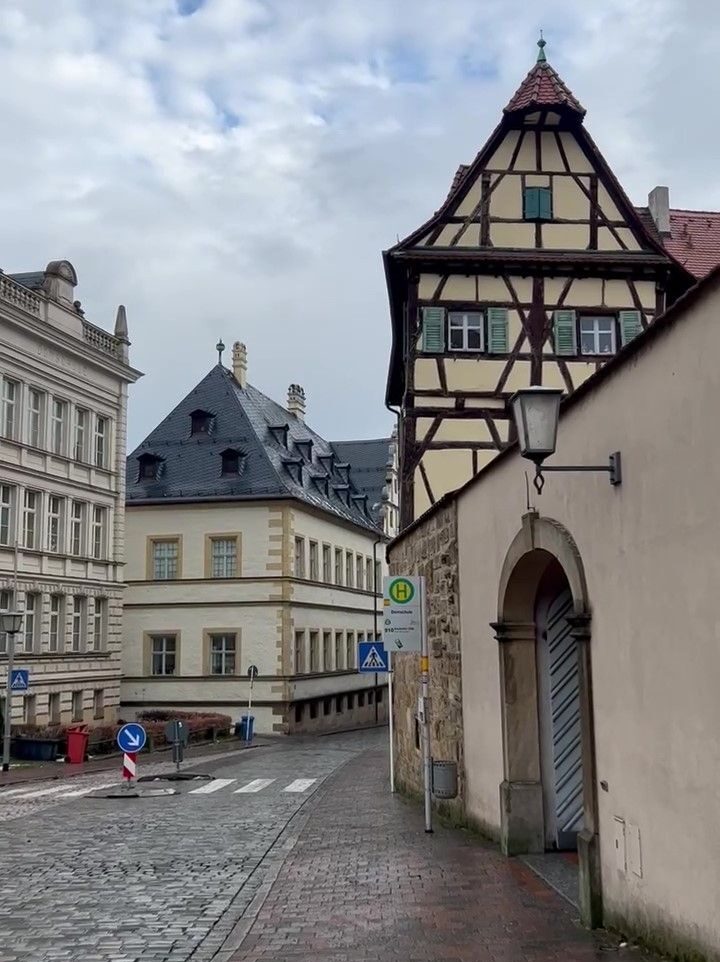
(536, 269)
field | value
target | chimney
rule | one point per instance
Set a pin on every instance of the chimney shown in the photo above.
(239, 361)
(296, 401)
(659, 204)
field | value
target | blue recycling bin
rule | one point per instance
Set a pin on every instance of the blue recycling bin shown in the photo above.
(246, 727)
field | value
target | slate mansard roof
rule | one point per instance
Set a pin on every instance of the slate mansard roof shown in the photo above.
(370, 463)
(279, 455)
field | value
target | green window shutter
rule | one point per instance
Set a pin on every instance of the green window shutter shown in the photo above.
(433, 329)
(544, 203)
(630, 325)
(565, 332)
(497, 330)
(531, 203)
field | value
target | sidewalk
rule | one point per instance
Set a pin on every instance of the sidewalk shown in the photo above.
(364, 882)
(39, 771)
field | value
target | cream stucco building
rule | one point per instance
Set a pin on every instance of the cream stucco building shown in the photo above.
(251, 543)
(64, 386)
(585, 713)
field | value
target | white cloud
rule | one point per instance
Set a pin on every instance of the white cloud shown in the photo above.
(237, 172)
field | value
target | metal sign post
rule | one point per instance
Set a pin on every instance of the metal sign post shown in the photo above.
(391, 721)
(252, 675)
(131, 740)
(425, 710)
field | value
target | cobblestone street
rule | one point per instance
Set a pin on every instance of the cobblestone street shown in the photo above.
(293, 853)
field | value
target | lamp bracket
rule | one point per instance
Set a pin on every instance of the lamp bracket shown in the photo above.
(613, 468)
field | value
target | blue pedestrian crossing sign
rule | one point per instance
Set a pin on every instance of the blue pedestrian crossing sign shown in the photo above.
(19, 679)
(372, 656)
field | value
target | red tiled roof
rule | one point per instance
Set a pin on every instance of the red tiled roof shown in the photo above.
(543, 88)
(694, 240)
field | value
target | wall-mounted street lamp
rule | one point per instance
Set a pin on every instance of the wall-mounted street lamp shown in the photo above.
(536, 411)
(10, 624)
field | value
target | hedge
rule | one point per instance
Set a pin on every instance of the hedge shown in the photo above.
(102, 741)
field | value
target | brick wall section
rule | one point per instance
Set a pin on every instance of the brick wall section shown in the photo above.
(431, 551)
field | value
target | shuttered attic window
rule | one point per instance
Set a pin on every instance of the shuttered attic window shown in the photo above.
(232, 462)
(150, 467)
(201, 422)
(537, 203)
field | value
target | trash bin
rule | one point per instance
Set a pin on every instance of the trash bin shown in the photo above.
(247, 725)
(77, 742)
(444, 779)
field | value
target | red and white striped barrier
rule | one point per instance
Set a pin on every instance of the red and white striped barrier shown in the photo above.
(129, 766)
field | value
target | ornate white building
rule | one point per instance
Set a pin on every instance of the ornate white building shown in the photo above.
(63, 403)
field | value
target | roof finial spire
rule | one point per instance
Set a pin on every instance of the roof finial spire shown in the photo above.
(220, 347)
(542, 43)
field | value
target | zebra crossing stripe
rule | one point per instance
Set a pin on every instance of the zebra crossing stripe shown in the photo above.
(300, 785)
(213, 786)
(256, 785)
(43, 791)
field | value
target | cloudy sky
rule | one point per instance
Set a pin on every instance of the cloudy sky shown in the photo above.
(234, 168)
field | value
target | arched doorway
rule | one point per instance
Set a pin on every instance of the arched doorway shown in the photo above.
(548, 795)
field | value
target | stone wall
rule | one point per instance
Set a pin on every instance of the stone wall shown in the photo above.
(430, 550)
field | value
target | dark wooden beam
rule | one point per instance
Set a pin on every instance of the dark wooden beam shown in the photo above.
(457, 414)
(593, 213)
(462, 446)
(426, 482)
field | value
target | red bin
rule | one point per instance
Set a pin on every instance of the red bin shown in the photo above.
(77, 742)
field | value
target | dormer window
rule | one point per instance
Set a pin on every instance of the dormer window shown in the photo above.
(150, 467)
(305, 448)
(280, 433)
(361, 501)
(323, 486)
(201, 422)
(343, 492)
(327, 461)
(294, 468)
(344, 471)
(232, 462)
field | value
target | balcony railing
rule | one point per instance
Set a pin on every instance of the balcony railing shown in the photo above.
(100, 339)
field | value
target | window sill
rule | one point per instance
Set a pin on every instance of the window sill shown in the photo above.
(64, 655)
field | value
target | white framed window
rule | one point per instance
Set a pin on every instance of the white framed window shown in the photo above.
(32, 618)
(339, 651)
(99, 532)
(81, 430)
(224, 557)
(327, 564)
(98, 703)
(314, 651)
(31, 512)
(369, 582)
(299, 557)
(465, 329)
(378, 577)
(163, 654)
(78, 622)
(299, 652)
(165, 560)
(102, 438)
(54, 707)
(78, 713)
(327, 651)
(100, 620)
(8, 493)
(349, 569)
(222, 654)
(78, 514)
(314, 561)
(597, 335)
(56, 523)
(7, 603)
(57, 623)
(338, 566)
(58, 424)
(10, 394)
(36, 418)
(359, 571)
(29, 709)
(350, 650)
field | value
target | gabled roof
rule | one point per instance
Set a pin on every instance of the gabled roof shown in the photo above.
(369, 465)
(243, 419)
(543, 88)
(694, 239)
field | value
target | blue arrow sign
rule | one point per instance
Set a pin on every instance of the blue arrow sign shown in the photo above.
(372, 657)
(131, 738)
(19, 679)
